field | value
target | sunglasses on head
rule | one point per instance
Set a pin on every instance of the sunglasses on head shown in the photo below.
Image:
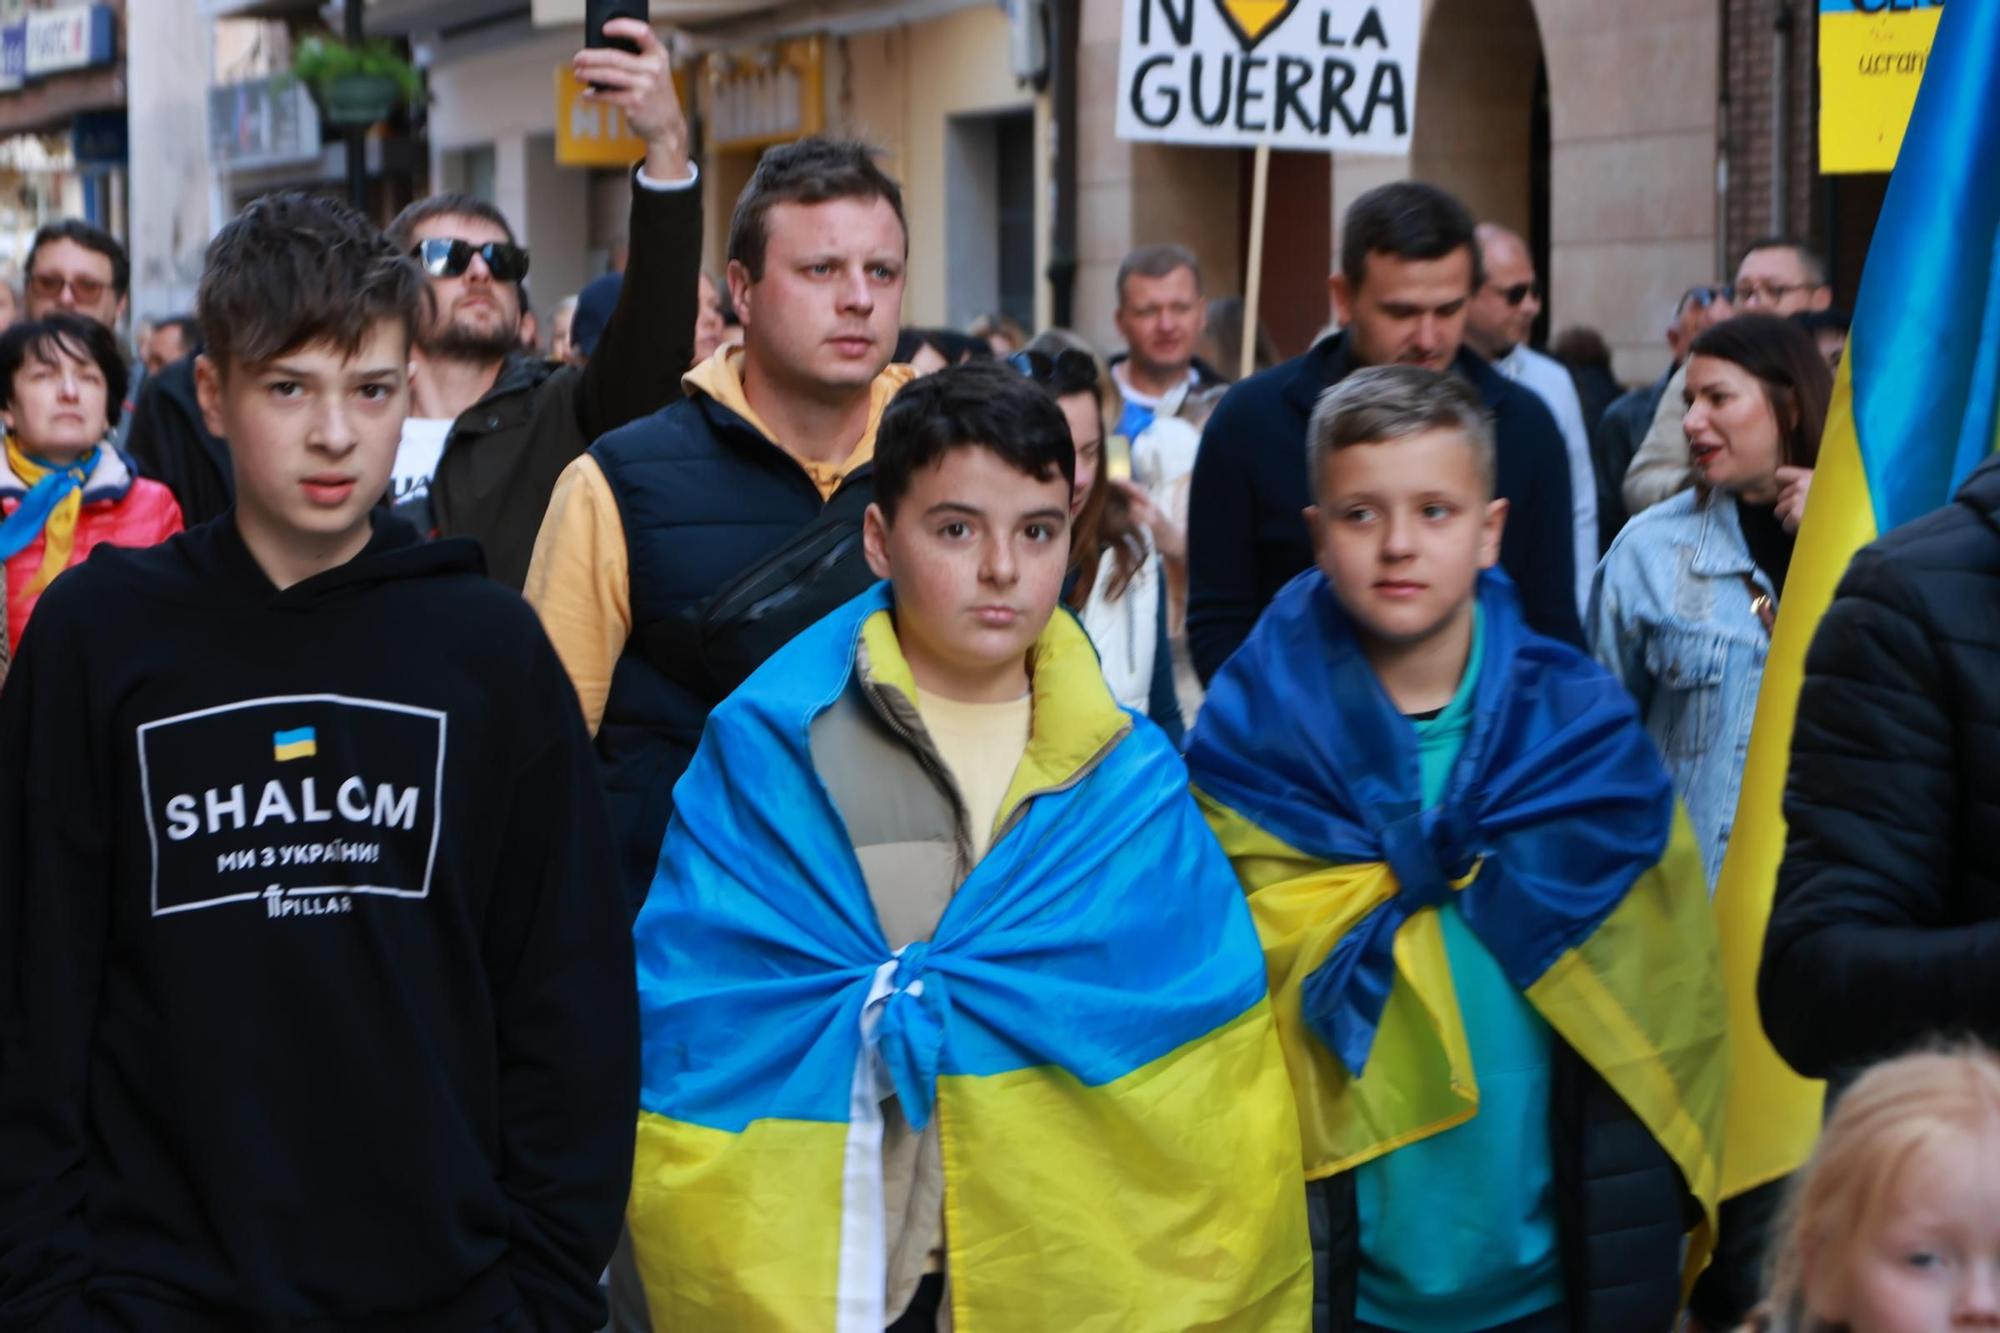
(1068, 371)
(442, 257)
(1520, 292)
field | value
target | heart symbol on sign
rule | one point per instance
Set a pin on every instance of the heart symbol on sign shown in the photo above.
(1254, 20)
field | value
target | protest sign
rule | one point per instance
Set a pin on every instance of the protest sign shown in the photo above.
(1872, 55)
(1326, 74)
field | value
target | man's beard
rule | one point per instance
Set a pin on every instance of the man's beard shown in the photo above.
(457, 342)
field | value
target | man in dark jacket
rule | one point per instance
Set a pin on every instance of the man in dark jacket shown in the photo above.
(1408, 268)
(491, 427)
(1886, 925)
(639, 569)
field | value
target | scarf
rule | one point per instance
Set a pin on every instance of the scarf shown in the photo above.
(49, 510)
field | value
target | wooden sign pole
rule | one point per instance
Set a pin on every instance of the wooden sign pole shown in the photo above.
(1253, 281)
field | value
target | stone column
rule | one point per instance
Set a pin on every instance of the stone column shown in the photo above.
(167, 45)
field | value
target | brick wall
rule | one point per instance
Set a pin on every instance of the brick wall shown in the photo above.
(1750, 79)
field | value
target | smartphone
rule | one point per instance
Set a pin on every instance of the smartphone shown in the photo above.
(1118, 458)
(597, 13)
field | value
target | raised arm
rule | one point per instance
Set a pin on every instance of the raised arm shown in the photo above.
(649, 340)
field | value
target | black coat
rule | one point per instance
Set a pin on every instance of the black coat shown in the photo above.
(1621, 1211)
(1886, 924)
(705, 499)
(171, 444)
(1246, 535)
(1614, 441)
(504, 453)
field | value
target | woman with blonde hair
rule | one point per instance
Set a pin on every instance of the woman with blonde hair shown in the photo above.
(1895, 1225)
(1116, 584)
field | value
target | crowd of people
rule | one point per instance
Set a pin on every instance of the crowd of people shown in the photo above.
(765, 817)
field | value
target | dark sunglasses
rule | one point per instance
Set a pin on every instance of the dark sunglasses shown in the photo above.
(1519, 292)
(1068, 371)
(441, 257)
(1708, 296)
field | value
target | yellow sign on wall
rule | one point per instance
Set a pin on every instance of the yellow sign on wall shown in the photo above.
(1872, 55)
(592, 134)
(769, 95)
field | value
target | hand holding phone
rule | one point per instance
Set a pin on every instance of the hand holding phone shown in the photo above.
(597, 13)
(628, 67)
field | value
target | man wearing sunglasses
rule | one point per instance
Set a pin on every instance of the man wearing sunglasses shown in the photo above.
(491, 427)
(1616, 440)
(1498, 323)
(1778, 276)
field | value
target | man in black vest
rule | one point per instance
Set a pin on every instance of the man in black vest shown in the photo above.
(681, 550)
(1408, 268)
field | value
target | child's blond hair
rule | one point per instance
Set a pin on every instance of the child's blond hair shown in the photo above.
(1894, 1112)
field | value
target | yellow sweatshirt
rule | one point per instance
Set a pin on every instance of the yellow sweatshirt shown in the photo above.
(579, 579)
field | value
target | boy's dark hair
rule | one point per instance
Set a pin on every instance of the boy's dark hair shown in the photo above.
(294, 269)
(1410, 220)
(1783, 357)
(60, 331)
(82, 233)
(812, 171)
(979, 405)
(402, 229)
(1384, 403)
(1157, 261)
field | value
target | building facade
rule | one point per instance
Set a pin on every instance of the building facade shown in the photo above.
(1595, 127)
(1639, 144)
(63, 149)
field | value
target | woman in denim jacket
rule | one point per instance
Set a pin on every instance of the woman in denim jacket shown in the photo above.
(1682, 606)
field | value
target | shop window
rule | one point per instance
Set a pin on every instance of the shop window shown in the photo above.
(470, 171)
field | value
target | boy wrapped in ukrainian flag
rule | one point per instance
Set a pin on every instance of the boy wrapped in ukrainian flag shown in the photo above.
(1487, 929)
(952, 1012)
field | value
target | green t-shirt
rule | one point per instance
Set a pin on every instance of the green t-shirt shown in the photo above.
(1458, 1231)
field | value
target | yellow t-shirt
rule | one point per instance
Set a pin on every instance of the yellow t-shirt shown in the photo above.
(982, 745)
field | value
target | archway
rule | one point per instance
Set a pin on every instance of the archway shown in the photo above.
(1482, 126)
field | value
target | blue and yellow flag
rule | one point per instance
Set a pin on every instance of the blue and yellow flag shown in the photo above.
(1557, 837)
(1916, 407)
(1088, 1026)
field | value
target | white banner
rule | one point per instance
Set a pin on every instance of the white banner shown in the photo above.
(1325, 74)
(58, 39)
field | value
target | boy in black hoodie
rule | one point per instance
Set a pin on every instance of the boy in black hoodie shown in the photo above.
(316, 996)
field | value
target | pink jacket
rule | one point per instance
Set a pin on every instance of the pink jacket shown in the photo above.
(120, 508)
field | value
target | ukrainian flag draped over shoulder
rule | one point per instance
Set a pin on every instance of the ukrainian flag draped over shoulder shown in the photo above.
(1916, 407)
(1089, 1026)
(1557, 833)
